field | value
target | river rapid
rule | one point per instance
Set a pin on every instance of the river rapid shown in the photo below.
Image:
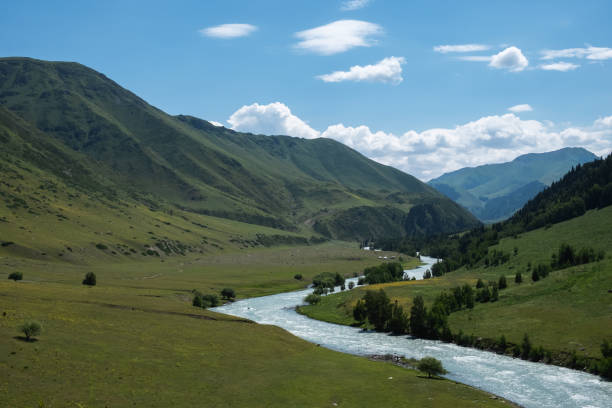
(523, 382)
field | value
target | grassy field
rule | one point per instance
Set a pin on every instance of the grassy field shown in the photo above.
(570, 310)
(135, 340)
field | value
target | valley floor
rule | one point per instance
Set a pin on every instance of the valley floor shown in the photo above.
(135, 340)
(568, 311)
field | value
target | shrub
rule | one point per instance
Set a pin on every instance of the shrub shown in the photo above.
(518, 278)
(525, 347)
(502, 284)
(90, 279)
(16, 276)
(479, 284)
(197, 300)
(228, 293)
(297, 276)
(427, 274)
(351, 285)
(210, 301)
(30, 329)
(431, 366)
(101, 246)
(312, 299)
(342, 287)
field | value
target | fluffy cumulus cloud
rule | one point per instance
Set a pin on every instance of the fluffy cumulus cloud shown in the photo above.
(429, 153)
(591, 53)
(337, 37)
(350, 5)
(511, 58)
(559, 66)
(272, 119)
(388, 70)
(520, 108)
(444, 49)
(229, 30)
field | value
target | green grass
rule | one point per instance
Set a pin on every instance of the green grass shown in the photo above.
(135, 340)
(570, 310)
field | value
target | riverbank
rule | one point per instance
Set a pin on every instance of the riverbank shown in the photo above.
(525, 383)
(411, 364)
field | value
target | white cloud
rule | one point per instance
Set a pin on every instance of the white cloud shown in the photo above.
(520, 108)
(604, 122)
(477, 58)
(229, 30)
(559, 66)
(339, 36)
(388, 70)
(429, 153)
(511, 59)
(460, 48)
(590, 52)
(272, 119)
(217, 124)
(350, 5)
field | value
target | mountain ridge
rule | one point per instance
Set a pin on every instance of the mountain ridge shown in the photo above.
(143, 154)
(493, 192)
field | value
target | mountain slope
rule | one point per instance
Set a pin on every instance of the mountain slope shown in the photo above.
(494, 192)
(143, 154)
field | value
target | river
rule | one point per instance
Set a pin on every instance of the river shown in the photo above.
(526, 383)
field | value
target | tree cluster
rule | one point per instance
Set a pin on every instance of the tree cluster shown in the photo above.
(204, 300)
(385, 272)
(326, 281)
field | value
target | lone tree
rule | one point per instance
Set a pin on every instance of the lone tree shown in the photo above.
(228, 293)
(16, 276)
(90, 279)
(359, 312)
(431, 366)
(30, 329)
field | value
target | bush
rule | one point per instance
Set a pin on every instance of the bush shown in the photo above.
(312, 299)
(16, 276)
(502, 284)
(297, 276)
(101, 246)
(197, 300)
(90, 279)
(30, 329)
(351, 285)
(228, 293)
(518, 278)
(431, 366)
(210, 301)
(479, 284)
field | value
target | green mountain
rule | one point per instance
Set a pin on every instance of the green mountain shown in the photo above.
(87, 137)
(494, 192)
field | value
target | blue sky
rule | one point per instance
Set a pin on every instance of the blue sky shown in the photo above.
(406, 103)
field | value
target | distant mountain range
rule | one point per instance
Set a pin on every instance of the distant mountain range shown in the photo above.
(97, 138)
(494, 192)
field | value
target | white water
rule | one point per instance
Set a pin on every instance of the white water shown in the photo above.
(526, 383)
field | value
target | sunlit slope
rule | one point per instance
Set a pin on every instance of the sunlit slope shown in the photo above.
(279, 181)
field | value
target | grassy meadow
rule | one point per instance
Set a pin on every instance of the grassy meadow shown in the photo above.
(570, 310)
(135, 340)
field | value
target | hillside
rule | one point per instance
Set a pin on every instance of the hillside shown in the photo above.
(559, 243)
(132, 152)
(542, 309)
(493, 192)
